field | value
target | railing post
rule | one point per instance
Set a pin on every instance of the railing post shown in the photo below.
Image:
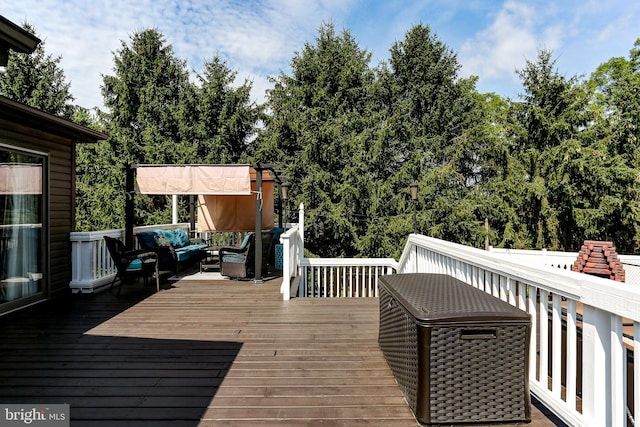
(636, 369)
(596, 406)
(572, 354)
(617, 365)
(285, 288)
(301, 230)
(302, 283)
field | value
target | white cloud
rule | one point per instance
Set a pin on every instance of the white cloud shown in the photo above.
(582, 35)
(498, 50)
(259, 38)
(256, 38)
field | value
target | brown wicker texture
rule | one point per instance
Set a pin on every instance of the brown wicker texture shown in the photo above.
(478, 380)
(458, 354)
(398, 340)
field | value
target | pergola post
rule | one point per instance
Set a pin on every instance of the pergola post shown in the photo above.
(129, 207)
(258, 237)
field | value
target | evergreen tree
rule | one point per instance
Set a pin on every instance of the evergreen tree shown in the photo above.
(318, 115)
(37, 80)
(498, 192)
(227, 117)
(607, 166)
(617, 82)
(547, 124)
(428, 136)
(149, 98)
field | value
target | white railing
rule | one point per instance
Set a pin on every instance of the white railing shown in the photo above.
(328, 277)
(92, 266)
(292, 253)
(343, 278)
(562, 260)
(218, 239)
(573, 314)
(557, 259)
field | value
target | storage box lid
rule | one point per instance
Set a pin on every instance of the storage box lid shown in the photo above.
(439, 297)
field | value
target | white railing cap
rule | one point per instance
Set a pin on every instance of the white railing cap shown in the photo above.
(347, 262)
(616, 297)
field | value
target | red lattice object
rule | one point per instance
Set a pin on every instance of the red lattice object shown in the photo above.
(599, 258)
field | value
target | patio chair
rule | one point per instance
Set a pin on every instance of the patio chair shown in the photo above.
(132, 264)
(237, 262)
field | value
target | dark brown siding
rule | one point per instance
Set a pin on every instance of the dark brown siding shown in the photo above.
(60, 197)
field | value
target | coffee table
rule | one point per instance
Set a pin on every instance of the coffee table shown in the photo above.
(211, 262)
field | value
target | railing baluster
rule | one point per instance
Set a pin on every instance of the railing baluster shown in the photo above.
(522, 296)
(544, 337)
(476, 277)
(556, 348)
(636, 371)
(571, 358)
(503, 287)
(511, 291)
(618, 362)
(322, 284)
(304, 284)
(486, 285)
(595, 344)
(351, 280)
(532, 309)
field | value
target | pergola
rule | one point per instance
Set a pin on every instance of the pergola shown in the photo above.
(230, 197)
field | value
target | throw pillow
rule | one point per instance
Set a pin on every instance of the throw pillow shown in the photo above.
(181, 237)
(160, 240)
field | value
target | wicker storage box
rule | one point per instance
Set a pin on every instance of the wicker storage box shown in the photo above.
(458, 354)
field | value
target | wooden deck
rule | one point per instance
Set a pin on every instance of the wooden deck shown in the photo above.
(203, 353)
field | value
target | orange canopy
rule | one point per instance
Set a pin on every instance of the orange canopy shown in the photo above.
(227, 194)
(194, 179)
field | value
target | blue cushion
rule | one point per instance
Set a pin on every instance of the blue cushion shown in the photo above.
(181, 237)
(184, 253)
(147, 239)
(168, 235)
(136, 264)
(234, 258)
(246, 240)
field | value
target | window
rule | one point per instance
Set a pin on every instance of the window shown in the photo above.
(21, 224)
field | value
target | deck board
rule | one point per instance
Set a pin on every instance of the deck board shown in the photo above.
(204, 353)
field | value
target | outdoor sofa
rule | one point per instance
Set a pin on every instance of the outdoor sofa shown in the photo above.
(176, 252)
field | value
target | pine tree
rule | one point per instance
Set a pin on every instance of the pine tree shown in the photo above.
(427, 136)
(37, 80)
(227, 117)
(149, 99)
(545, 124)
(318, 114)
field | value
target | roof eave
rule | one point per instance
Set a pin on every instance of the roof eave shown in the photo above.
(24, 114)
(16, 38)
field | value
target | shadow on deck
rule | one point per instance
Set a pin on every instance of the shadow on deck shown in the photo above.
(204, 353)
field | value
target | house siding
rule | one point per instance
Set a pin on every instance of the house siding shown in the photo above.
(38, 132)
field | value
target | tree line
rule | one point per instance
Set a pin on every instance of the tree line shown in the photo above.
(550, 169)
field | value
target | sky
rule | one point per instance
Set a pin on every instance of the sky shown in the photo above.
(491, 38)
